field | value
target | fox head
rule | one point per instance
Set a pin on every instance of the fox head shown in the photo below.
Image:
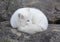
(23, 20)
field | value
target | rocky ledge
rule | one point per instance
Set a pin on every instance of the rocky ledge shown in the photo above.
(52, 34)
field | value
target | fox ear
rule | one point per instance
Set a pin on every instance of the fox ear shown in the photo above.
(20, 16)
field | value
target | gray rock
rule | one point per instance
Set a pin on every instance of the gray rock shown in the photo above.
(3, 9)
(51, 8)
(7, 7)
(52, 34)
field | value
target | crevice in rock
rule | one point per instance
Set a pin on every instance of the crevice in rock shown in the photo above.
(57, 21)
(1, 19)
(50, 22)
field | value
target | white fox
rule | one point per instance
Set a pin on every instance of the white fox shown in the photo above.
(29, 20)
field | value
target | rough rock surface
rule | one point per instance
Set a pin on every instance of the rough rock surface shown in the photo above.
(52, 34)
(51, 8)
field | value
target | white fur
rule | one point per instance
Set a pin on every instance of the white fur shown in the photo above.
(37, 20)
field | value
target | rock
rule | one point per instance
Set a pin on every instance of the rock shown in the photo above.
(16, 32)
(52, 34)
(3, 9)
(6, 30)
(49, 7)
(8, 40)
(46, 37)
(7, 7)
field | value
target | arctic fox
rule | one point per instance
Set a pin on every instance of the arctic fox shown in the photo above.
(29, 20)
